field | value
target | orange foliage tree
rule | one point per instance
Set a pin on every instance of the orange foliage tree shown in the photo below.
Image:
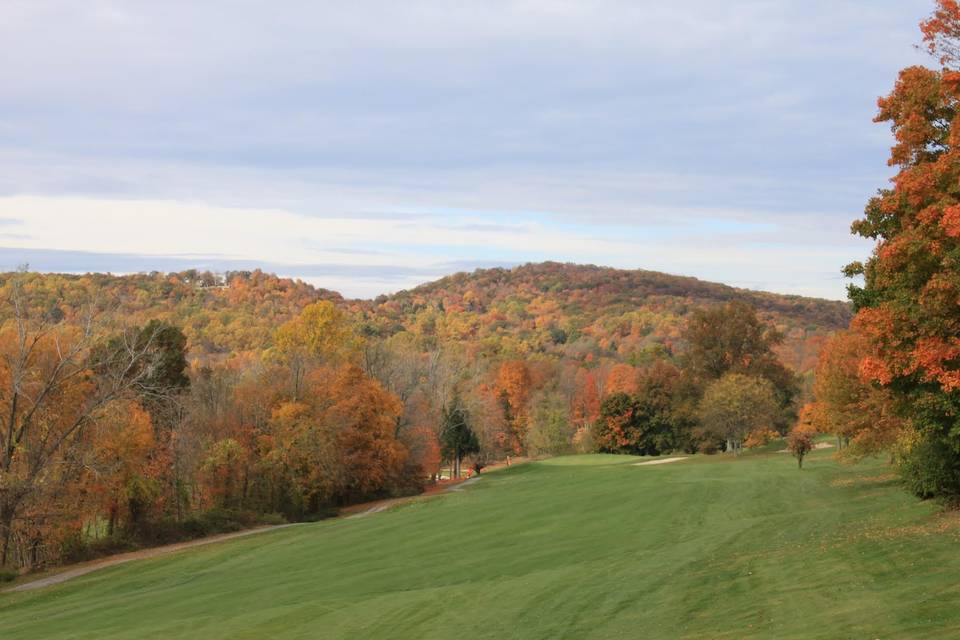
(855, 410)
(514, 387)
(907, 309)
(122, 441)
(622, 378)
(56, 379)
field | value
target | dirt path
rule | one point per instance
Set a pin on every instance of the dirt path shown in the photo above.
(663, 461)
(349, 513)
(370, 508)
(122, 558)
(371, 511)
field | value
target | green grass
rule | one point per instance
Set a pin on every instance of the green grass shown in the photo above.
(579, 547)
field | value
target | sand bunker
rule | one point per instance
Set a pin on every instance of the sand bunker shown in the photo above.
(664, 461)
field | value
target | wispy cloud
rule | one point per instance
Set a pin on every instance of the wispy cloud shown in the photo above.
(713, 139)
(81, 234)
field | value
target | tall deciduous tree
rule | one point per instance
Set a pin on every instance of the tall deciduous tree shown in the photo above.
(55, 380)
(637, 425)
(515, 388)
(321, 334)
(732, 339)
(364, 416)
(122, 441)
(854, 410)
(909, 306)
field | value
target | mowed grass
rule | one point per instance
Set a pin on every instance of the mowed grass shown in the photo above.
(578, 547)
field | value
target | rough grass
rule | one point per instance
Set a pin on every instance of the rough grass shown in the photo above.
(580, 547)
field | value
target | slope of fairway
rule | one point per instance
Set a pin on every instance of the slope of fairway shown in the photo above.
(580, 547)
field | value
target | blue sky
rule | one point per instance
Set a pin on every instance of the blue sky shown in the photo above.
(369, 146)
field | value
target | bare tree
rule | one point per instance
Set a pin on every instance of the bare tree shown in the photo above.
(400, 367)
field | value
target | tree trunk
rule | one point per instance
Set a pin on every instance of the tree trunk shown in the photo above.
(112, 519)
(6, 530)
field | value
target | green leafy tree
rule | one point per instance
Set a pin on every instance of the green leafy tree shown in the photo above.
(551, 430)
(457, 438)
(630, 425)
(732, 339)
(737, 404)
(321, 334)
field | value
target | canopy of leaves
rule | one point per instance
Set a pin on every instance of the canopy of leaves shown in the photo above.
(733, 339)
(737, 404)
(908, 310)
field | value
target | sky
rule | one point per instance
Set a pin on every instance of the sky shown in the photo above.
(372, 145)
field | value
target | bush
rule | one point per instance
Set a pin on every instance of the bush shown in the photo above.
(708, 443)
(75, 548)
(760, 437)
(800, 443)
(8, 575)
(272, 519)
(204, 524)
(321, 514)
(931, 468)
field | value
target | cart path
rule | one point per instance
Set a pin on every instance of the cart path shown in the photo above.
(123, 558)
(350, 513)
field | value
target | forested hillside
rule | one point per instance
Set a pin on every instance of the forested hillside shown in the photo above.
(571, 311)
(145, 408)
(221, 314)
(589, 313)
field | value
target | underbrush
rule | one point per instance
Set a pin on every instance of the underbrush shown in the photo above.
(81, 546)
(168, 531)
(772, 446)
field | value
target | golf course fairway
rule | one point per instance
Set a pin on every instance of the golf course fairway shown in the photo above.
(572, 547)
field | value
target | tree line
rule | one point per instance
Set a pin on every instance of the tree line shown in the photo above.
(111, 434)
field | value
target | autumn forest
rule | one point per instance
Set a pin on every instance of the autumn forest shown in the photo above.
(816, 492)
(150, 408)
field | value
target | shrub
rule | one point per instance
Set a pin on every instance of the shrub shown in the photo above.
(8, 575)
(76, 548)
(272, 519)
(708, 443)
(760, 437)
(800, 443)
(929, 467)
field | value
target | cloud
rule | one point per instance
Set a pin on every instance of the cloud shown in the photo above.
(713, 139)
(395, 252)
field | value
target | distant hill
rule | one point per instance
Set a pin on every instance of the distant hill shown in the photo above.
(588, 312)
(578, 312)
(221, 314)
